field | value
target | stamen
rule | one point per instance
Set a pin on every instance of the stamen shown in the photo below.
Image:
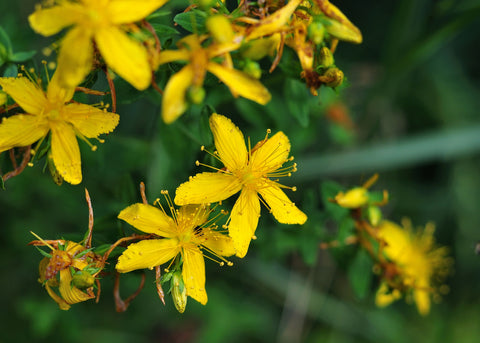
(85, 139)
(220, 170)
(42, 240)
(46, 70)
(170, 205)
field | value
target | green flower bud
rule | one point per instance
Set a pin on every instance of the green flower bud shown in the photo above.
(83, 279)
(253, 69)
(179, 292)
(374, 215)
(333, 77)
(316, 32)
(325, 58)
(196, 94)
(57, 178)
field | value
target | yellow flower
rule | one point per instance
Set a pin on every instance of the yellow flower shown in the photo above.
(200, 60)
(103, 22)
(53, 112)
(247, 172)
(418, 264)
(71, 270)
(186, 234)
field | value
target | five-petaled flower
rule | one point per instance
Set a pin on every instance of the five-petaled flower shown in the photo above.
(200, 60)
(105, 23)
(418, 263)
(52, 111)
(186, 234)
(249, 172)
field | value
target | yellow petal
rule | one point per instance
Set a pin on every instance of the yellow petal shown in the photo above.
(148, 219)
(344, 32)
(240, 83)
(21, 130)
(127, 57)
(27, 94)
(65, 152)
(75, 57)
(128, 11)
(422, 300)
(174, 102)
(61, 303)
(90, 121)
(229, 142)
(193, 273)
(274, 22)
(281, 207)
(270, 155)
(340, 27)
(207, 188)
(57, 92)
(244, 220)
(147, 254)
(217, 243)
(49, 21)
(69, 293)
(167, 56)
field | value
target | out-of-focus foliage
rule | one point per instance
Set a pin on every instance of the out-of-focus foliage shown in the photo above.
(409, 111)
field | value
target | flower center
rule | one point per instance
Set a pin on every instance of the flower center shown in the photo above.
(54, 114)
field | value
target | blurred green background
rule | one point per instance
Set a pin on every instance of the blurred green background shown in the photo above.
(413, 97)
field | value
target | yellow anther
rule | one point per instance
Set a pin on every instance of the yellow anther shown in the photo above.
(197, 163)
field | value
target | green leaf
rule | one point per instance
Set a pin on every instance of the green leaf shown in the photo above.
(192, 21)
(5, 41)
(21, 56)
(360, 273)
(2, 183)
(11, 70)
(44, 253)
(297, 98)
(158, 14)
(164, 31)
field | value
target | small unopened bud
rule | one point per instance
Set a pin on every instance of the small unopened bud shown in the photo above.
(316, 32)
(325, 58)
(83, 279)
(252, 69)
(333, 77)
(205, 4)
(179, 292)
(354, 198)
(220, 28)
(57, 178)
(196, 94)
(374, 215)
